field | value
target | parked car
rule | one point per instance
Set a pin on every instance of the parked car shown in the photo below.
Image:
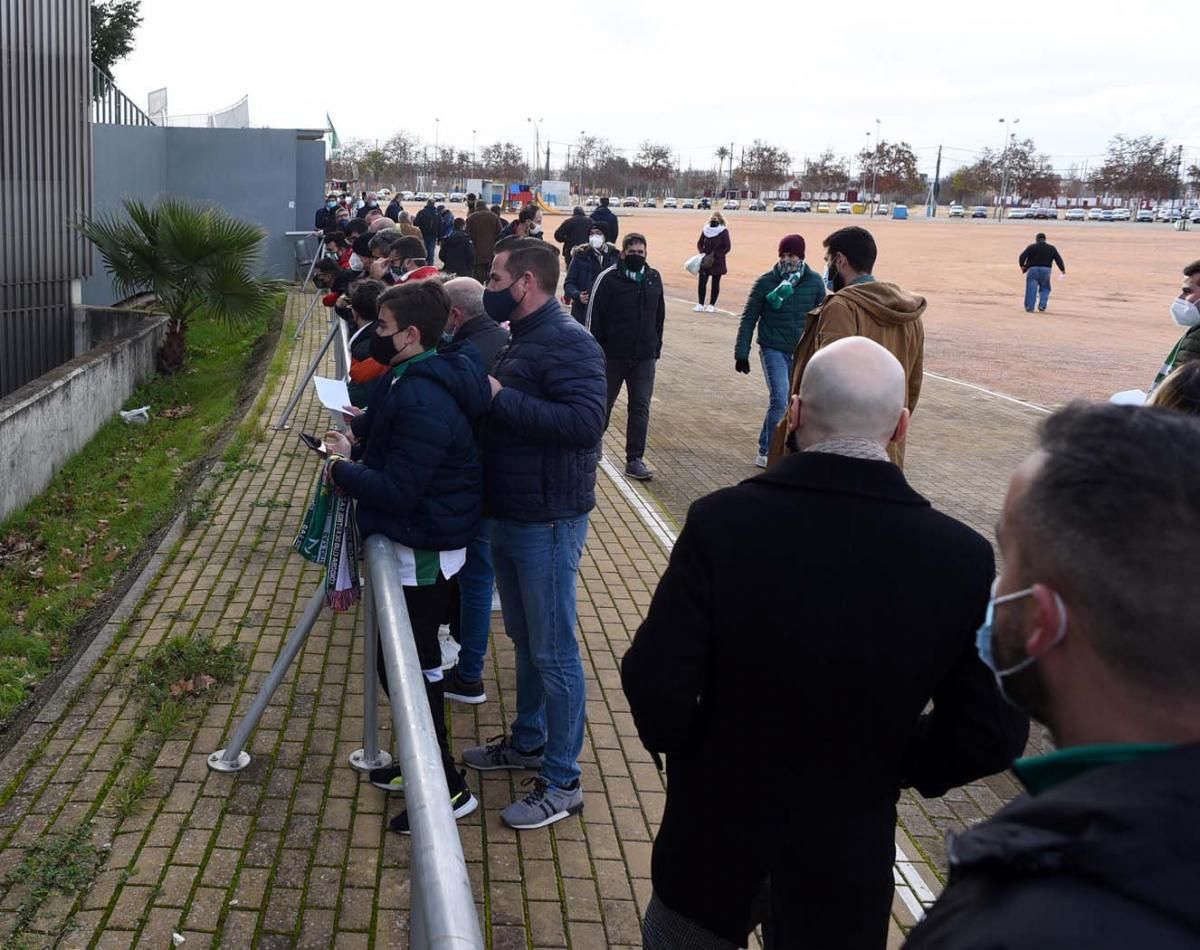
(591, 202)
(1076, 214)
(704, 203)
(1169, 214)
(782, 206)
(979, 211)
(958, 211)
(1095, 214)
(688, 203)
(439, 197)
(882, 209)
(1121, 214)
(650, 203)
(823, 207)
(406, 196)
(383, 192)
(843, 207)
(457, 197)
(757, 205)
(1144, 215)
(629, 201)
(731, 204)
(1106, 215)
(1016, 214)
(804, 206)
(420, 196)
(669, 203)
(1045, 214)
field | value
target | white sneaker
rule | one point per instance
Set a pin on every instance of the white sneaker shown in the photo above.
(699, 308)
(449, 647)
(710, 309)
(760, 461)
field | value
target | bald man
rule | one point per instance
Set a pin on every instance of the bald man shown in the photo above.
(807, 619)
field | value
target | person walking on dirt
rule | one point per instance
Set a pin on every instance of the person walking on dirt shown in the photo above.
(604, 217)
(1035, 263)
(714, 244)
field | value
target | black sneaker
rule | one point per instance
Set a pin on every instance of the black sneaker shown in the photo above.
(457, 689)
(637, 469)
(462, 802)
(388, 778)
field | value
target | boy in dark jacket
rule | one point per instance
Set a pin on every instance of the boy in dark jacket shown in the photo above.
(604, 217)
(417, 479)
(360, 309)
(778, 305)
(458, 253)
(626, 313)
(573, 232)
(587, 261)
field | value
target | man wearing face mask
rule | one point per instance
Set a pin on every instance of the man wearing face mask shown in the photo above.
(406, 261)
(541, 444)
(626, 312)
(778, 305)
(325, 218)
(587, 261)
(1092, 629)
(883, 596)
(1035, 262)
(1185, 313)
(359, 310)
(860, 305)
(416, 478)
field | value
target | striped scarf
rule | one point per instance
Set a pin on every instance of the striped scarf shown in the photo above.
(329, 536)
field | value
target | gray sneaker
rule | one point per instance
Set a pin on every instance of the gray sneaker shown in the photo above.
(544, 805)
(499, 754)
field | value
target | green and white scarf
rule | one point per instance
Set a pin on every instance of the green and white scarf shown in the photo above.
(329, 536)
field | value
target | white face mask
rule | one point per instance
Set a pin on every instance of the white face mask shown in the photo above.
(1184, 312)
(596, 241)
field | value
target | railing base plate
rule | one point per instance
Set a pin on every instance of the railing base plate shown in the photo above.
(358, 761)
(217, 762)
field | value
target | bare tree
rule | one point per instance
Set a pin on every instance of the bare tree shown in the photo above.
(764, 165)
(891, 167)
(654, 165)
(827, 172)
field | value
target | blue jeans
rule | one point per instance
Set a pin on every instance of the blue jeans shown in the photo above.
(475, 604)
(431, 252)
(1037, 284)
(777, 369)
(536, 569)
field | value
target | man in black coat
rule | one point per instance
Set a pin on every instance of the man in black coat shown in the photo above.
(393, 208)
(429, 221)
(573, 232)
(1035, 263)
(626, 312)
(604, 217)
(1093, 630)
(806, 620)
(458, 253)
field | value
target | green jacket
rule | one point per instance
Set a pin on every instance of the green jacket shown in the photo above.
(1184, 351)
(778, 329)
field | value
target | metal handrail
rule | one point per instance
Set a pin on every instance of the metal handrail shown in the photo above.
(442, 905)
(110, 106)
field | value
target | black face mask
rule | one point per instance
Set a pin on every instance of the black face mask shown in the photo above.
(835, 280)
(635, 262)
(383, 348)
(714, 223)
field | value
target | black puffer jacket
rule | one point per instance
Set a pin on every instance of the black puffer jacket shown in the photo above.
(586, 265)
(573, 232)
(1103, 861)
(542, 435)
(626, 316)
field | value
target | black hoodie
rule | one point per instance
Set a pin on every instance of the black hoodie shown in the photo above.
(1109, 860)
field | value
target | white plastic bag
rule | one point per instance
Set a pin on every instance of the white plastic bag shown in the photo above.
(1129, 397)
(692, 264)
(136, 417)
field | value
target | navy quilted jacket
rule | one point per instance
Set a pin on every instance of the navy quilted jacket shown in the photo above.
(420, 480)
(542, 437)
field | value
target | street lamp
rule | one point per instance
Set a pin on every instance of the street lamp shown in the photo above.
(875, 167)
(1004, 174)
(537, 141)
(436, 128)
(472, 151)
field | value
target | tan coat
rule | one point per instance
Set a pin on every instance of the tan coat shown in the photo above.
(408, 228)
(880, 312)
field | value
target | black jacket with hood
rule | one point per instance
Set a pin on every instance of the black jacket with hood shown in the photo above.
(1104, 861)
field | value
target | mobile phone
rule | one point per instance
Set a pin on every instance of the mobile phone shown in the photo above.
(313, 443)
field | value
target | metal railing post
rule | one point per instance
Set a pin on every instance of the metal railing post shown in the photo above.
(304, 320)
(303, 384)
(443, 908)
(370, 756)
(233, 758)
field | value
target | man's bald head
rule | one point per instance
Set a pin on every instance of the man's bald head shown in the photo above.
(851, 389)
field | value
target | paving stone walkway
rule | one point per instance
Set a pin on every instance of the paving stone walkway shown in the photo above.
(294, 851)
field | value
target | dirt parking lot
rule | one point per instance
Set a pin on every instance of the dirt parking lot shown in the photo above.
(1107, 329)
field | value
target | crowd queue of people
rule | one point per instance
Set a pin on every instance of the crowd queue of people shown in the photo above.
(893, 656)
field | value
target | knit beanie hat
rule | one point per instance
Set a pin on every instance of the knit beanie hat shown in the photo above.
(792, 244)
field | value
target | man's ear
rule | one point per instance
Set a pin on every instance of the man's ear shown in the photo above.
(902, 426)
(795, 414)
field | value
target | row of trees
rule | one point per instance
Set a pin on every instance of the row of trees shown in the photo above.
(1134, 167)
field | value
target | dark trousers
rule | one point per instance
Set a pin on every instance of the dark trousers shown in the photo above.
(482, 270)
(638, 376)
(426, 608)
(716, 287)
(431, 251)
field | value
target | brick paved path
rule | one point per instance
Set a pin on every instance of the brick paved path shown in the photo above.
(294, 851)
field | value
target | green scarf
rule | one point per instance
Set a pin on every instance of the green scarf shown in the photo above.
(329, 536)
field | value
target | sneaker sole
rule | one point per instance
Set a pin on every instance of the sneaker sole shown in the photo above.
(639, 478)
(466, 698)
(557, 816)
(460, 812)
(501, 768)
(391, 789)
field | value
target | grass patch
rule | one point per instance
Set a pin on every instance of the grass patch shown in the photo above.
(179, 669)
(61, 553)
(65, 863)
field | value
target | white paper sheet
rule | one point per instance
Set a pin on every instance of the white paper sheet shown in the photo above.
(1129, 397)
(332, 393)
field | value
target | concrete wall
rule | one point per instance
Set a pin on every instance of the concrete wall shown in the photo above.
(52, 418)
(272, 177)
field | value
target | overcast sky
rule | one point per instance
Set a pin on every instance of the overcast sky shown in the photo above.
(686, 73)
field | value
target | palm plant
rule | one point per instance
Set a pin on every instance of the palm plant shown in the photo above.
(198, 261)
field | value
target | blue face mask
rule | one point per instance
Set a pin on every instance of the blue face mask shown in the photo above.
(983, 636)
(330, 205)
(447, 336)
